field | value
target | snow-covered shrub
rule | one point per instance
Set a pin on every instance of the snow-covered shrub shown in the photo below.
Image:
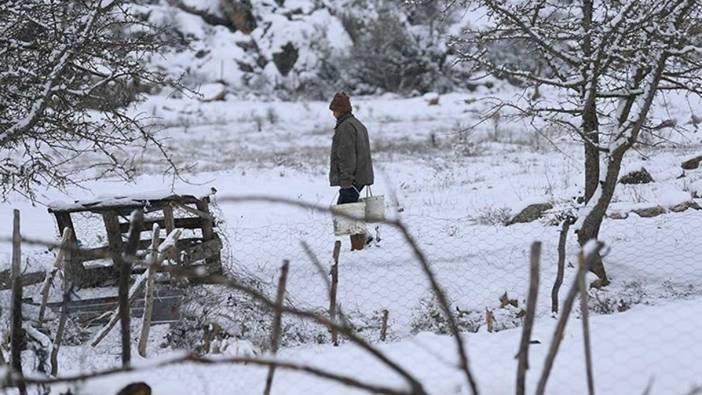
(493, 216)
(241, 321)
(427, 316)
(387, 57)
(617, 301)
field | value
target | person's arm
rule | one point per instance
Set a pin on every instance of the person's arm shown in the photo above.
(347, 155)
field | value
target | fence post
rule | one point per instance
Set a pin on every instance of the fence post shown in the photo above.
(67, 287)
(17, 335)
(125, 272)
(149, 290)
(332, 291)
(384, 326)
(584, 317)
(277, 320)
(523, 354)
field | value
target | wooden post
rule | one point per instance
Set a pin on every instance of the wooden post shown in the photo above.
(384, 326)
(214, 263)
(563, 320)
(16, 331)
(114, 238)
(125, 272)
(584, 317)
(73, 265)
(169, 223)
(277, 320)
(149, 291)
(332, 292)
(61, 256)
(67, 287)
(523, 354)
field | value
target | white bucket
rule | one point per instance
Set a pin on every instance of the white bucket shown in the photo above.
(351, 221)
(375, 208)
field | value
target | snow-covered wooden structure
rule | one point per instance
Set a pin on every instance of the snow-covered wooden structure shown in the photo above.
(202, 247)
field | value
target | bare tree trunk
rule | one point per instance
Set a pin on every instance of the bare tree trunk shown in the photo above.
(592, 153)
(590, 121)
(592, 222)
(523, 354)
(277, 320)
(17, 333)
(562, 240)
(149, 291)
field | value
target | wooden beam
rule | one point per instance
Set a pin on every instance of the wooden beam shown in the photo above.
(215, 260)
(114, 237)
(183, 223)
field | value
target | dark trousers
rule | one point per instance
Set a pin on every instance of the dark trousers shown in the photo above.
(349, 195)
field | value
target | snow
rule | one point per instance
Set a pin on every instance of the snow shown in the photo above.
(450, 175)
(451, 203)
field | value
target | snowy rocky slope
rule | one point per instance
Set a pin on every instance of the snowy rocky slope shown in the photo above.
(305, 47)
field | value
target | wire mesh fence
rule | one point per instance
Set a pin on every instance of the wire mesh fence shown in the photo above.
(643, 334)
(391, 327)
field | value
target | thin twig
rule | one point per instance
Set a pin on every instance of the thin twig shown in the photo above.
(523, 354)
(563, 320)
(584, 317)
(561, 264)
(197, 359)
(277, 318)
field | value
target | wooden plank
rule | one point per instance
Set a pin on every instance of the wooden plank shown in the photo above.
(145, 204)
(169, 224)
(74, 267)
(182, 223)
(27, 278)
(114, 238)
(63, 220)
(92, 254)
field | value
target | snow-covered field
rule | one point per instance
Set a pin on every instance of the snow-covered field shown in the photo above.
(453, 180)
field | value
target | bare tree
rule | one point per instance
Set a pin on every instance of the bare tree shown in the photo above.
(607, 60)
(68, 71)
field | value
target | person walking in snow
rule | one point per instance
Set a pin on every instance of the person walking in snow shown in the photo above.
(351, 166)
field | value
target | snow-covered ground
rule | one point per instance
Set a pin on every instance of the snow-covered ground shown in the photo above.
(453, 180)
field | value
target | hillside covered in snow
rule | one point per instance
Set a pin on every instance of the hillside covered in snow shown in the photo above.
(309, 47)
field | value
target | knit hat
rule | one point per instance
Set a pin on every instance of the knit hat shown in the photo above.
(341, 103)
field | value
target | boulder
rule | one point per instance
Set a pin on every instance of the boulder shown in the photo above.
(285, 60)
(432, 98)
(531, 213)
(692, 163)
(136, 389)
(240, 14)
(690, 204)
(637, 177)
(650, 211)
(617, 215)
